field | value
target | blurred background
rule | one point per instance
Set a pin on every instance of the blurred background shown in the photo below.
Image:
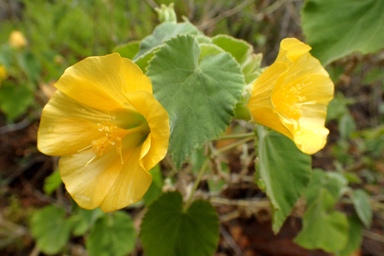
(39, 39)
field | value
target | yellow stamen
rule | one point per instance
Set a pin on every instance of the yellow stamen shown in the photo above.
(288, 100)
(81, 150)
(90, 161)
(112, 136)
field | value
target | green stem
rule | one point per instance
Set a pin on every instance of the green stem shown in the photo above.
(236, 136)
(233, 145)
(196, 184)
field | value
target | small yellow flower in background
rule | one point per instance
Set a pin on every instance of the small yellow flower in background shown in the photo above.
(17, 40)
(3, 73)
(291, 96)
(109, 130)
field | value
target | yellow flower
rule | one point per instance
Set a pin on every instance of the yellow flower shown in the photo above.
(291, 96)
(109, 130)
(17, 40)
(3, 73)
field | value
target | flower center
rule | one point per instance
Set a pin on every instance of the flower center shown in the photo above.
(112, 136)
(288, 100)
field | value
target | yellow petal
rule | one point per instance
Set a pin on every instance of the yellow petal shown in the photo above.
(109, 129)
(155, 146)
(104, 181)
(305, 65)
(310, 90)
(268, 117)
(260, 104)
(66, 126)
(291, 96)
(311, 136)
(101, 82)
(262, 90)
(130, 185)
(89, 178)
(316, 89)
(132, 78)
(264, 84)
(291, 49)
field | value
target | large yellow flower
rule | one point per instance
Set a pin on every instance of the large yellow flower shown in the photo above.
(291, 96)
(109, 130)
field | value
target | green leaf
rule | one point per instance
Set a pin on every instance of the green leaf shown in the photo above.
(156, 187)
(352, 178)
(128, 50)
(208, 49)
(169, 230)
(323, 228)
(50, 229)
(284, 170)
(113, 234)
(52, 182)
(337, 28)
(131, 49)
(14, 99)
(243, 53)
(338, 107)
(29, 65)
(334, 183)
(6, 55)
(144, 59)
(216, 183)
(347, 126)
(199, 94)
(162, 33)
(354, 237)
(238, 48)
(197, 159)
(360, 201)
(82, 220)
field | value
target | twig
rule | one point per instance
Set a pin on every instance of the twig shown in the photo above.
(230, 216)
(11, 230)
(373, 236)
(14, 127)
(236, 136)
(225, 14)
(35, 252)
(230, 241)
(216, 163)
(152, 3)
(253, 203)
(233, 145)
(273, 7)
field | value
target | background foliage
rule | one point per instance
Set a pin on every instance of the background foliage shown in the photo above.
(327, 208)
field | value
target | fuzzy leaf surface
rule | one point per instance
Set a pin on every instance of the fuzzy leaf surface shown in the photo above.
(50, 229)
(324, 227)
(168, 229)
(112, 235)
(284, 170)
(199, 94)
(335, 28)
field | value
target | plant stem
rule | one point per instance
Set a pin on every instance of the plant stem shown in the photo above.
(236, 136)
(196, 184)
(233, 145)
